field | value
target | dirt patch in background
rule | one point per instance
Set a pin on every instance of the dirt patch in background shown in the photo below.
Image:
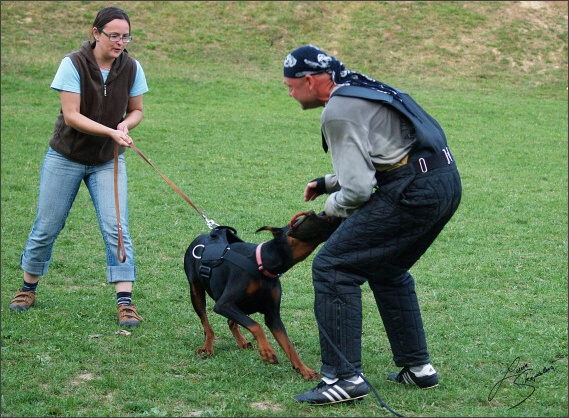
(523, 38)
(511, 42)
(539, 51)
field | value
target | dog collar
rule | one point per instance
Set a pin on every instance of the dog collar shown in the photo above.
(260, 263)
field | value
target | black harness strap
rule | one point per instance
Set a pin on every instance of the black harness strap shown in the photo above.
(243, 262)
(210, 254)
(219, 252)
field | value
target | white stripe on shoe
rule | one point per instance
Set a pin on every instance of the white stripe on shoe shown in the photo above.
(343, 393)
(330, 398)
(325, 393)
(336, 394)
(407, 378)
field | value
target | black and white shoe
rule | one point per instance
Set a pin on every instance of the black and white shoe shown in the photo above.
(425, 379)
(340, 391)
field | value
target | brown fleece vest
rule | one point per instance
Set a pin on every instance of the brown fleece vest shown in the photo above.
(105, 103)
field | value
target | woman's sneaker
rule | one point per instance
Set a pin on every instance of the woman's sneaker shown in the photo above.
(23, 300)
(128, 317)
(340, 391)
(425, 379)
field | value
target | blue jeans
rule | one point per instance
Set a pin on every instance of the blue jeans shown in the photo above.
(60, 179)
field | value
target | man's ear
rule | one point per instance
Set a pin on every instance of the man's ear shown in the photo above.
(311, 80)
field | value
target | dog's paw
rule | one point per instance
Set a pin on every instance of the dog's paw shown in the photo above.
(204, 351)
(314, 377)
(308, 374)
(245, 345)
(274, 359)
(269, 357)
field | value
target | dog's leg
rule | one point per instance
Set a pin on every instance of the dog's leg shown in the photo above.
(240, 286)
(241, 341)
(197, 293)
(275, 324)
(225, 306)
(265, 348)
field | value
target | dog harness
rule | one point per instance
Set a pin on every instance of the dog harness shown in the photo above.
(215, 253)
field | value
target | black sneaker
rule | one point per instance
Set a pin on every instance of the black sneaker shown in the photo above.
(422, 379)
(341, 391)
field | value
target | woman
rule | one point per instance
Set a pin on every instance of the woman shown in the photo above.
(101, 90)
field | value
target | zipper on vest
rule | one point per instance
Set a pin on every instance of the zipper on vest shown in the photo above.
(105, 89)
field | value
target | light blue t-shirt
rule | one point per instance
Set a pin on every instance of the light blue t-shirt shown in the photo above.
(67, 79)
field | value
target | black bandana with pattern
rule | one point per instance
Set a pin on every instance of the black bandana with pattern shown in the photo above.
(309, 59)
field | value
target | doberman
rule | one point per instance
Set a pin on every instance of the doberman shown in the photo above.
(243, 278)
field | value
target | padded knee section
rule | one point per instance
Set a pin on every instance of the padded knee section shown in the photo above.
(341, 317)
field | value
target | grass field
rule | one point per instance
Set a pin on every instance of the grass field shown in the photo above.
(219, 123)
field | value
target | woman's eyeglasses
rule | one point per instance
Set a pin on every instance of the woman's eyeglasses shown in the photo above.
(116, 38)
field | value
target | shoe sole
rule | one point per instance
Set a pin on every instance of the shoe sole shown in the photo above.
(19, 308)
(357, 398)
(129, 324)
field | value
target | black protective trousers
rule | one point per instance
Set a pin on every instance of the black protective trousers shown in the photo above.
(379, 243)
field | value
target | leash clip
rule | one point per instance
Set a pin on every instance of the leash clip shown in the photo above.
(209, 222)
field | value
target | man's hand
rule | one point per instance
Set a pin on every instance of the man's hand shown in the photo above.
(314, 188)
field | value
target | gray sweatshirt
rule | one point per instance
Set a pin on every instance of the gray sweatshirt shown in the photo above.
(361, 135)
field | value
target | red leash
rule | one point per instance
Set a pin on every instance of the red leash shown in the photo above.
(120, 246)
(209, 222)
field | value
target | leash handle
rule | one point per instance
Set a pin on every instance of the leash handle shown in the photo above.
(210, 223)
(121, 252)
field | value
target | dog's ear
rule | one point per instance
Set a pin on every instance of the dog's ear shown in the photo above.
(273, 229)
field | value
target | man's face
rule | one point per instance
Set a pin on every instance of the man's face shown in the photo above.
(303, 90)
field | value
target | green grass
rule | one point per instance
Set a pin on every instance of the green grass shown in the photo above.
(219, 123)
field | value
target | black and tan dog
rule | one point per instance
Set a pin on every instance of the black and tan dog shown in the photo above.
(243, 278)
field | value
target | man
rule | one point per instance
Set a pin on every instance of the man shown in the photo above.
(396, 185)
